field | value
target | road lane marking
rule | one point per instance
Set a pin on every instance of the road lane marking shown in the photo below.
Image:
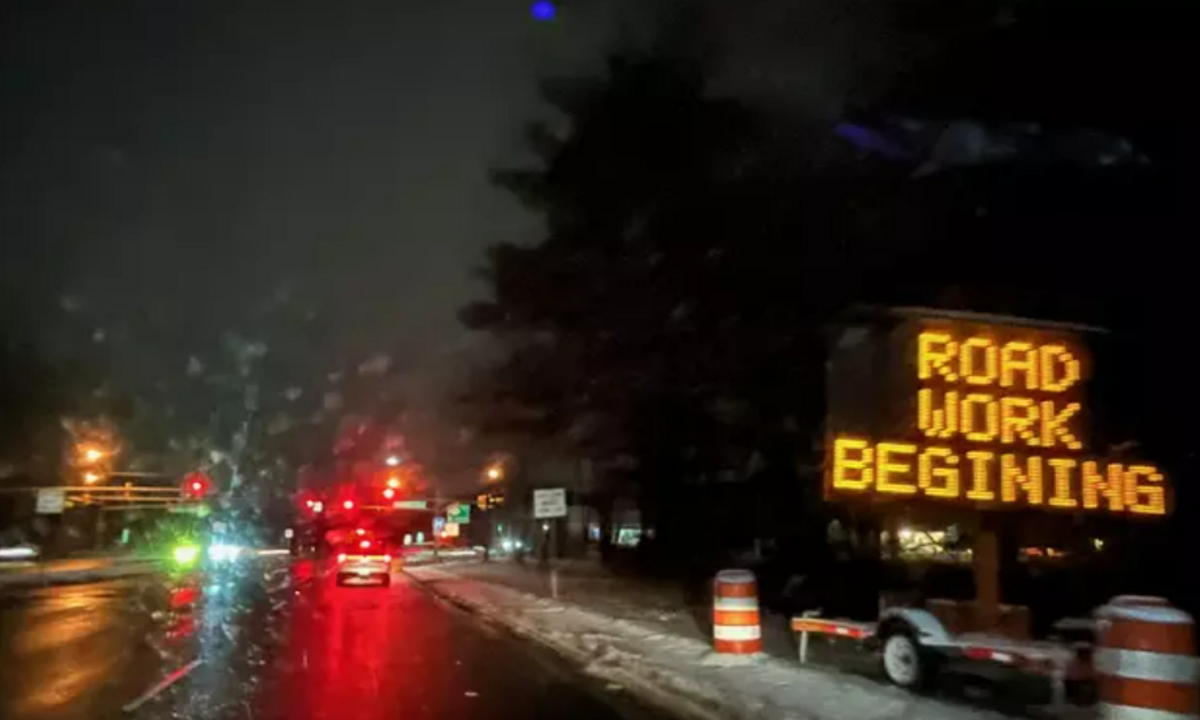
(163, 684)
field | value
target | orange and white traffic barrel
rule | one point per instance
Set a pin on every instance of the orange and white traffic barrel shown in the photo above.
(736, 628)
(1146, 664)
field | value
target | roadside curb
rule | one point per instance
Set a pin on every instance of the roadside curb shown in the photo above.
(657, 695)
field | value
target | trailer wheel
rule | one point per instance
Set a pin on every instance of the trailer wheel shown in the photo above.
(904, 663)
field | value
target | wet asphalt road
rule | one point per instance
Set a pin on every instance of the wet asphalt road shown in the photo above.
(274, 641)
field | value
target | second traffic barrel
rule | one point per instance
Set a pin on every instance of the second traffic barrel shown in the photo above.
(736, 628)
(1146, 665)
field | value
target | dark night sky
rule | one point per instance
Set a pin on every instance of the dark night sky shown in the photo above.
(207, 153)
(199, 155)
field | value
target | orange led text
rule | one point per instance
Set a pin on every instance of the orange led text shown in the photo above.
(902, 469)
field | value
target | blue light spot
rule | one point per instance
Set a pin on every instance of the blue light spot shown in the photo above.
(543, 10)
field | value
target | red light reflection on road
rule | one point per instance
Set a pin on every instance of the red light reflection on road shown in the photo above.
(183, 596)
(181, 629)
(346, 651)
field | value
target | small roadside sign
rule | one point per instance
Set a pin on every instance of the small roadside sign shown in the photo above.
(410, 505)
(439, 523)
(51, 501)
(458, 513)
(451, 530)
(550, 503)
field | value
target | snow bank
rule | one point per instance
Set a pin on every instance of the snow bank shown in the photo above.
(682, 673)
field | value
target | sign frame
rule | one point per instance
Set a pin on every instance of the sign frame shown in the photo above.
(932, 428)
(458, 513)
(549, 503)
(51, 501)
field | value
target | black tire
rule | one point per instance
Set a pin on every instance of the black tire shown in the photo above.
(904, 662)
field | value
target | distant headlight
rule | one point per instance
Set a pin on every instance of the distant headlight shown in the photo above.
(185, 554)
(221, 552)
(507, 545)
(18, 552)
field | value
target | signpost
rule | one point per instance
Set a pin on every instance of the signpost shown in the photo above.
(458, 513)
(51, 501)
(550, 503)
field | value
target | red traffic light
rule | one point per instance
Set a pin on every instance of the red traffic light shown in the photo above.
(196, 485)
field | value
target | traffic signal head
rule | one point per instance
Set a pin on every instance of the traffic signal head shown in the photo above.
(196, 486)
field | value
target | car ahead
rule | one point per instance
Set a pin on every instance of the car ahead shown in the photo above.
(364, 565)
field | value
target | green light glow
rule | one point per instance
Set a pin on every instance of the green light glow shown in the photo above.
(186, 554)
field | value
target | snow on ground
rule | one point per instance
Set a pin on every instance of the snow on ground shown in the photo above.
(660, 604)
(679, 670)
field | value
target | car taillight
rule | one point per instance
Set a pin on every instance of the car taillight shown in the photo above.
(341, 557)
(387, 558)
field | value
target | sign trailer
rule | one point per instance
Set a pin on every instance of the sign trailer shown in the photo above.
(968, 418)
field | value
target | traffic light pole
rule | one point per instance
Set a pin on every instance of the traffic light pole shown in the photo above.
(437, 509)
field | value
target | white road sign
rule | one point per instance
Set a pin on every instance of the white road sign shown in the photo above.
(550, 503)
(51, 501)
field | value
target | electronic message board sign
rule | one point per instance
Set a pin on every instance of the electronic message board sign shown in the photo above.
(977, 413)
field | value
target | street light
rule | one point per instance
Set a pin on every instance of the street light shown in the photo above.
(495, 472)
(393, 482)
(90, 478)
(392, 460)
(90, 454)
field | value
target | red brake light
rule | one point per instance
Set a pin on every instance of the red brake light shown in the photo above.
(389, 493)
(349, 504)
(184, 596)
(387, 558)
(365, 544)
(341, 557)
